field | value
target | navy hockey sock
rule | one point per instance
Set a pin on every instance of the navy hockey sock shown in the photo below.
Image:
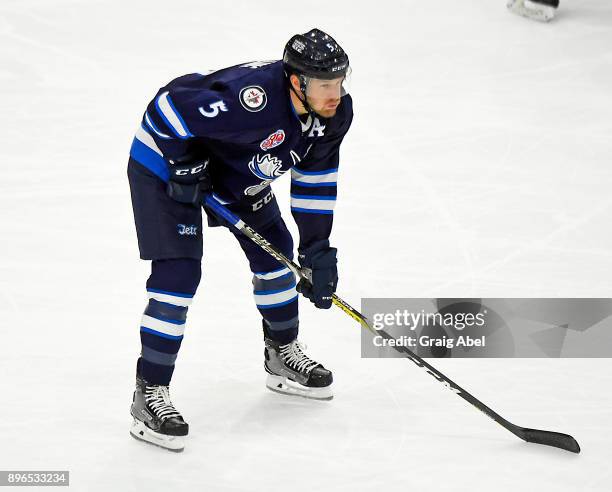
(277, 301)
(170, 288)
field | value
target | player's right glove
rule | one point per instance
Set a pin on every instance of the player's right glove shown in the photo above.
(189, 179)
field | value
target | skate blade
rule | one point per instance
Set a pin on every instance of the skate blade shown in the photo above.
(524, 8)
(280, 384)
(141, 432)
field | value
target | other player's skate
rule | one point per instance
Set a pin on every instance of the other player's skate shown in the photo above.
(156, 421)
(292, 372)
(539, 10)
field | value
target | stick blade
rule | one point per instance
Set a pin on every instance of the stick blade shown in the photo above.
(555, 439)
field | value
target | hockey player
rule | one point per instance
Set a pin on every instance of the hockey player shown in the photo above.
(233, 132)
(540, 10)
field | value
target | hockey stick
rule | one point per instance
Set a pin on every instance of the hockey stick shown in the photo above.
(555, 439)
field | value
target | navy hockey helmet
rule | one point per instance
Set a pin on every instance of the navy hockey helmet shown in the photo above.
(315, 54)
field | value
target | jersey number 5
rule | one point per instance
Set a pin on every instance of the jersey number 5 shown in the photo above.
(214, 109)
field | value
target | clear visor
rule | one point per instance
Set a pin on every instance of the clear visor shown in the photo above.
(328, 90)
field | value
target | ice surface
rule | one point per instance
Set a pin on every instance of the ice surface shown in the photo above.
(478, 165)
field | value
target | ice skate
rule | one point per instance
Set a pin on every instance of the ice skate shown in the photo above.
(156, 421)
(539, 10)
(292, 372)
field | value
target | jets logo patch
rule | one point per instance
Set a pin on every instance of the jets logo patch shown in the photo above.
(253, 98)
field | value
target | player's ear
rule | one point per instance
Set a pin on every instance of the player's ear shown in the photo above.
(295, 82)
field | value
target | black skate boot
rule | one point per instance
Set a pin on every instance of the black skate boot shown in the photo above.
(155, 419)
(292, 372)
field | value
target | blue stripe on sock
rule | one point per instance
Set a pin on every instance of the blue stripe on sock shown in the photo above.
(278, 304)
(159, 334)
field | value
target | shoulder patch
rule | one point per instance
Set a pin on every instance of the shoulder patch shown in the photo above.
(273, 140)
(253, 98)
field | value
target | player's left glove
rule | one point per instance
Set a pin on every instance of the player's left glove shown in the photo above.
(189, 179)
(319, 262)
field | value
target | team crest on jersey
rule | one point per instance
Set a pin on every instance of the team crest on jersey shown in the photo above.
(253, 98)
(266, 167)
(273, 140)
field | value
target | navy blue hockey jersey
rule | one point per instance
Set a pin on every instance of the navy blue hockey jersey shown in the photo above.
(243, 119)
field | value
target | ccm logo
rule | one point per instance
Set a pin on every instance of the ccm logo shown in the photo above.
(194, 170)
(264, 201)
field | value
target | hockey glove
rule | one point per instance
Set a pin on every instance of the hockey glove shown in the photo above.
(319, 263)
(189, 179)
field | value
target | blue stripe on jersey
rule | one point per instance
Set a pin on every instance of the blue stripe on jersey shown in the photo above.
(172, 112)
(331, 191)
(163, 117)
(316, 173)
(180, 118)
(313, 197)
(312, 211)
(149, 122)
(150, 159)
(313, 185)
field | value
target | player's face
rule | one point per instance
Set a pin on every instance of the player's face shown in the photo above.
(324, 95)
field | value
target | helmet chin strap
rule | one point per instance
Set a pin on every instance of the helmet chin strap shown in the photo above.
(311, 112)
(304, 101)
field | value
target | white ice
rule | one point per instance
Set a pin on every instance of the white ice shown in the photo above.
(478, 165)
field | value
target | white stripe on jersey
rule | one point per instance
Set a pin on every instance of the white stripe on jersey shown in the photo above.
(146, 138)
(313, 204)
(324, 177)
(152, 127)
(170, 115)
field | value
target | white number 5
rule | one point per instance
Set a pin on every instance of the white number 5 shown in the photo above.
(214, 109)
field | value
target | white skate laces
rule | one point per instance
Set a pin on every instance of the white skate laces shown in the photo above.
(158, 399)
(293, 355)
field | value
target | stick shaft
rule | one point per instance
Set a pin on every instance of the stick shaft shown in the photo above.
(542, 437)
